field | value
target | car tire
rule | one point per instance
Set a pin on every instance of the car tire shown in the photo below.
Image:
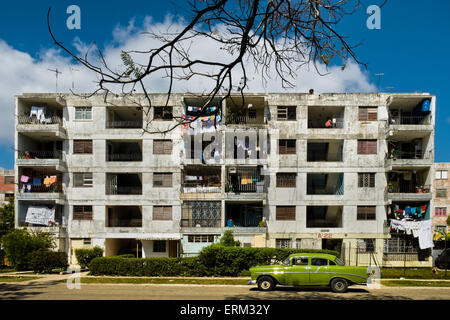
(339, 285)
(266, 284)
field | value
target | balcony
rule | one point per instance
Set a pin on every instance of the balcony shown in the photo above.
(325, 117)
(247, 111)
(325, 184)
(244, 215)
(324, 216)
(325, 151)
(123, 151)
(123, 184)
(408, 153)
(42, 216)
(124, 118)
(201, 215)
(200, 181)
(123, 217)
(408, 185)
(245, 183)
(39, 184)
(410, 113)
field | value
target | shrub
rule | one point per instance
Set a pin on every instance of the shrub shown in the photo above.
(126, 256)
(85, 256)
(228, 239)
(44, 260)
(230, 261)
(19, 243)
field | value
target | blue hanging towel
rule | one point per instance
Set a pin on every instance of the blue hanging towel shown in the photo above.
(407, 210)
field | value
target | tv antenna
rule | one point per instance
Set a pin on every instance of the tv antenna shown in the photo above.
(71, 74)
(56, 71)
(379, 75)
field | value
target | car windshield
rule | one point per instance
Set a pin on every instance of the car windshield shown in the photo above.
(286, 262)
(339, 262)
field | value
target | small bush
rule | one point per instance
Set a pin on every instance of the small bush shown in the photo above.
(19, 243)
(44, 261)
(85, 256)
(126, 256)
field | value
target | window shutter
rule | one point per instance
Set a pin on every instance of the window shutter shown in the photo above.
(82, 212)
(285, 213)
(362, 116)
(162, 212)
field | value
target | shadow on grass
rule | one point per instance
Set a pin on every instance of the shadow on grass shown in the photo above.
(17, 290)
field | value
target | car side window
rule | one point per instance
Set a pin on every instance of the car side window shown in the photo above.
(300, 261)
(331, 263)
(319, 262)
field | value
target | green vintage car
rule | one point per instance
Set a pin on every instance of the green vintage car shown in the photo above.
(303, 269)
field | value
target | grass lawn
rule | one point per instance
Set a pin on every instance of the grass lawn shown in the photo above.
(16, 279)
(143, 280)
(413, 273)
(5, 270)
(411, 283)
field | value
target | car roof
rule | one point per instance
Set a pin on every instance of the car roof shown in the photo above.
(314, 255)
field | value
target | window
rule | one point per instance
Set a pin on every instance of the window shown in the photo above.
(159, 246)
(367, 146)
(441, 211)
(319, 262)
(367, 114)
(82, 179)
(366, 180)
(441, 174)
(162, 212)
(286, 146)
(162, 180)
(366, 213)
(282, 243)
(286, 180)
(9, 180)
(441, 193)
(331, 263)
(201, 238)
(9, 196)
(83, 113)
(162, 146)
(285, 213)
(82, 146)
(301, 261)
(163, 113)
(82, 212)
(286, 113)
(365, 245)
(87, 241)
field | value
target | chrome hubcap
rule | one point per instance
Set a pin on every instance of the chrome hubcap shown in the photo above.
(265, 285)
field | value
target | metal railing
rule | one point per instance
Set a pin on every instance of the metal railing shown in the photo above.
(126, 223)
(314, 124)
(124, 124)
(124, 157)
(402, 120)
(201, 223)
(40, 154)
(243, 119)
(409, 188)
(34, 188)
(244, 180)
(35, 120)
(397, 154)
(198, 187)
(112, 190)
(317, 157)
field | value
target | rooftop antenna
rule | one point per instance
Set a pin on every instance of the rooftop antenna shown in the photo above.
(71, 74)
(379, 75)
(56, 71)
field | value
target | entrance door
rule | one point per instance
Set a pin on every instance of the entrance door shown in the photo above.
(173, 249)
(297, 273)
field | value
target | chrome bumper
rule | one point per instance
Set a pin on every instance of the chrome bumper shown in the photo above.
(252, 282)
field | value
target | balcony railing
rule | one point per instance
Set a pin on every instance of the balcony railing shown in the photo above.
(243, 119)
(408, 120)
(200, 223)
(124, 157)
(123, 190)
(191, 187)
(316, 157)
(126, 223)
(335, 123)
(408, 188)
(397, 154)
(35, 120)
(124, 124)
(35, 188)
(245, 180)
(40, 154)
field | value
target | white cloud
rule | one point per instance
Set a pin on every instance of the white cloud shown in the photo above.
(20, 73)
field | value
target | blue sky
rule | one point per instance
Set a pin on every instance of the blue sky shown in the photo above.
(410, 49)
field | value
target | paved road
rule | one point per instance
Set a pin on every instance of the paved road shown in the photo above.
(55, 290)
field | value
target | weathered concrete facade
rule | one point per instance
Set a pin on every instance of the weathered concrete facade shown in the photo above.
(309, 186)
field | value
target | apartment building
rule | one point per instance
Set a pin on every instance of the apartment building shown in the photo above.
(441, 196)
(352, 172)
(6, 185)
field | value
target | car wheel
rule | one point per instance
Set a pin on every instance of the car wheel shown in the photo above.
(339, 285)
(266, 284)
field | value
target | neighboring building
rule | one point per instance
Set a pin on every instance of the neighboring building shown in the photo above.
(289, 170)
(7, 186)
(441, 195)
